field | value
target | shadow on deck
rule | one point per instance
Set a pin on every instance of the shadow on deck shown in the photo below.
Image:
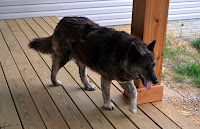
(28, 99)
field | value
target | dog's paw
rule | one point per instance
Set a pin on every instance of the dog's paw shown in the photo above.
(90, 87)
(57, 83)
(133, 107)
(133, 110)
(109, 106)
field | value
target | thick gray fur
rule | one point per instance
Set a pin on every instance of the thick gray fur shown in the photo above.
(115, 55)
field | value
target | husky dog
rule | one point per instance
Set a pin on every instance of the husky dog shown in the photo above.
(115, 55)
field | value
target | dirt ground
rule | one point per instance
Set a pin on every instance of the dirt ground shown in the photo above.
(184, 97)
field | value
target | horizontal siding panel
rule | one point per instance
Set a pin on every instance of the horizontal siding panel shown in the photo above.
(114, 22)
(63, 6)
(63, 13)
(184, 11)
(184, 5)
(108, 16)
(183, 16)
(180, 1)
(29, 2)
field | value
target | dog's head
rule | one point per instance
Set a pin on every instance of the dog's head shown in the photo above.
(142, 63)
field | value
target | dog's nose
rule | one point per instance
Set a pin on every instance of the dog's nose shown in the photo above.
(155, 81)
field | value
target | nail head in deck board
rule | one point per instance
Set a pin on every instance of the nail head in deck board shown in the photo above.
(23, 101)
(116, 117)
(140, 119)
(175, 116)
(94, 116)
(8, 113)
(44, 103)
(69, 111)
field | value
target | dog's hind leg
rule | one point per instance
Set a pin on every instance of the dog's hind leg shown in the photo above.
(58, 61)
(105, 87)
(131, 89)
(83, 76)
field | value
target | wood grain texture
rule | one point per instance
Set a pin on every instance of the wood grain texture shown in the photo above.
(140, 119)
(137, 25)
(48, 111)
(138, 14)
(44, 25)
(27, 75)
(25, 106)
(155, 24)
(116, 117)
(163, 121)
(8, 113)
(12, 127)
(67, 108)
(149, 22)
(72, 68)
(175, 116)
(94, 116)
(50, 21)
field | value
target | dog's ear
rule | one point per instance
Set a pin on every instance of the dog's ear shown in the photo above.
(134, 53)
(151, 45)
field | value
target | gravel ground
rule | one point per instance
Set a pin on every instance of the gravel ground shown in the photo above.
(183, 96)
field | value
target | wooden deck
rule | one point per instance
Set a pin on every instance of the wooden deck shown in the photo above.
(28, 99)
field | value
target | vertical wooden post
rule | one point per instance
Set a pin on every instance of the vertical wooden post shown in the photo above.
(149, 22)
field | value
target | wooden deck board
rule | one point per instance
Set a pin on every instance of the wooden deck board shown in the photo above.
(96, 119)
(48, 111)
(25, 106)
(69, 111)
(7, 107)
(116, 117)
(27, 91)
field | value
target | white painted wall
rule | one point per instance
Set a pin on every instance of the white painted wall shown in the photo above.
(104, 12)
(184, 9)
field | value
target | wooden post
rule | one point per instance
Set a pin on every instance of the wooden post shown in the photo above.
(149, 22)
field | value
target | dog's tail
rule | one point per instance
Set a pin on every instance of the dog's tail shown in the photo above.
(43, 45)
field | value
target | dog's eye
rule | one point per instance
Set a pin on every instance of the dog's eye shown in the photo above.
(145, 66)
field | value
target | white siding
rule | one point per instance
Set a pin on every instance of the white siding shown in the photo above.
(105, 12)
(184, 9)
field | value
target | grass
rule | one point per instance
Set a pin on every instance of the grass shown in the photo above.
(187, 65)
(196, 44)
(180, 79)
(191, 69)
(173, 51)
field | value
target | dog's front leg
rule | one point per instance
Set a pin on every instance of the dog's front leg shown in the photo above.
(105, 87)
(84, 78)
(131, 89)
